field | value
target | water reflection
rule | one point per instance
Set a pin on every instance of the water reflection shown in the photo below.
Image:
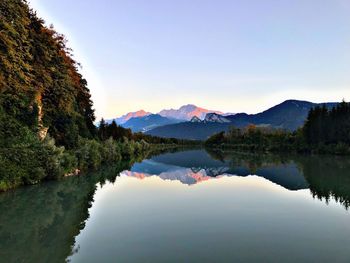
(44, 223)
(195, 166)
(328, 177)
(40, 223)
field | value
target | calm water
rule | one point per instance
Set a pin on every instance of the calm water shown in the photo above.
(190, 206)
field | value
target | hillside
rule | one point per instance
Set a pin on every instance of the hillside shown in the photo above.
(42, 96)
(289, 115)
(40, 84)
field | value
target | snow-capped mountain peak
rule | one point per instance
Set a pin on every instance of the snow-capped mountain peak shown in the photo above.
(214, 117)
(187, 112)
(128, 116)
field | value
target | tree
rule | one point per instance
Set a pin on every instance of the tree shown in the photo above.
(102, 132)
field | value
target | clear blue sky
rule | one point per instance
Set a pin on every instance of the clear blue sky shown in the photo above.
(228, 55)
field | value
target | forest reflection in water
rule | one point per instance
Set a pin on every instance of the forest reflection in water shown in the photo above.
(41, 223)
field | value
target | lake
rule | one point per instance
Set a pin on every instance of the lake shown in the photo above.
(186, 206)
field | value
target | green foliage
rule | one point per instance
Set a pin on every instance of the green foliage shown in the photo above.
(37, 70)
(91, 154)
(88, 154)
(110, 151)
(23, 158)
(40, 87)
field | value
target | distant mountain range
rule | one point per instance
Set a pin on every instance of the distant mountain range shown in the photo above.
(195, 123)
(145, 121)
(289, 115)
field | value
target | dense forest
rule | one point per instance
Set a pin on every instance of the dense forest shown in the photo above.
(47, 119)
(325, 131)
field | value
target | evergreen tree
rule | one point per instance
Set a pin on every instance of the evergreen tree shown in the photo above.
(102, 132)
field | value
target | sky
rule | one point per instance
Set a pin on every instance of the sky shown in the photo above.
(227, 55)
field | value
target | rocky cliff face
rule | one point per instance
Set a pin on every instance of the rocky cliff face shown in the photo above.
(42, 130)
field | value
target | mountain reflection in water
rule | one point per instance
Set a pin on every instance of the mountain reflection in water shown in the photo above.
(44, 223)
(196, 166)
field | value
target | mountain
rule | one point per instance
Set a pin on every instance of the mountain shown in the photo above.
(187, 112)
(147, 122)
(196, 119)
(214, 117)
(123, 119)
(289, 115)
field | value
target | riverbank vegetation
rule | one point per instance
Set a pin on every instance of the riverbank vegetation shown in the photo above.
(325, 131)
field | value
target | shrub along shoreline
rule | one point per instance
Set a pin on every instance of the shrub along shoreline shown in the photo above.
(31, 164)
(40, 161)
